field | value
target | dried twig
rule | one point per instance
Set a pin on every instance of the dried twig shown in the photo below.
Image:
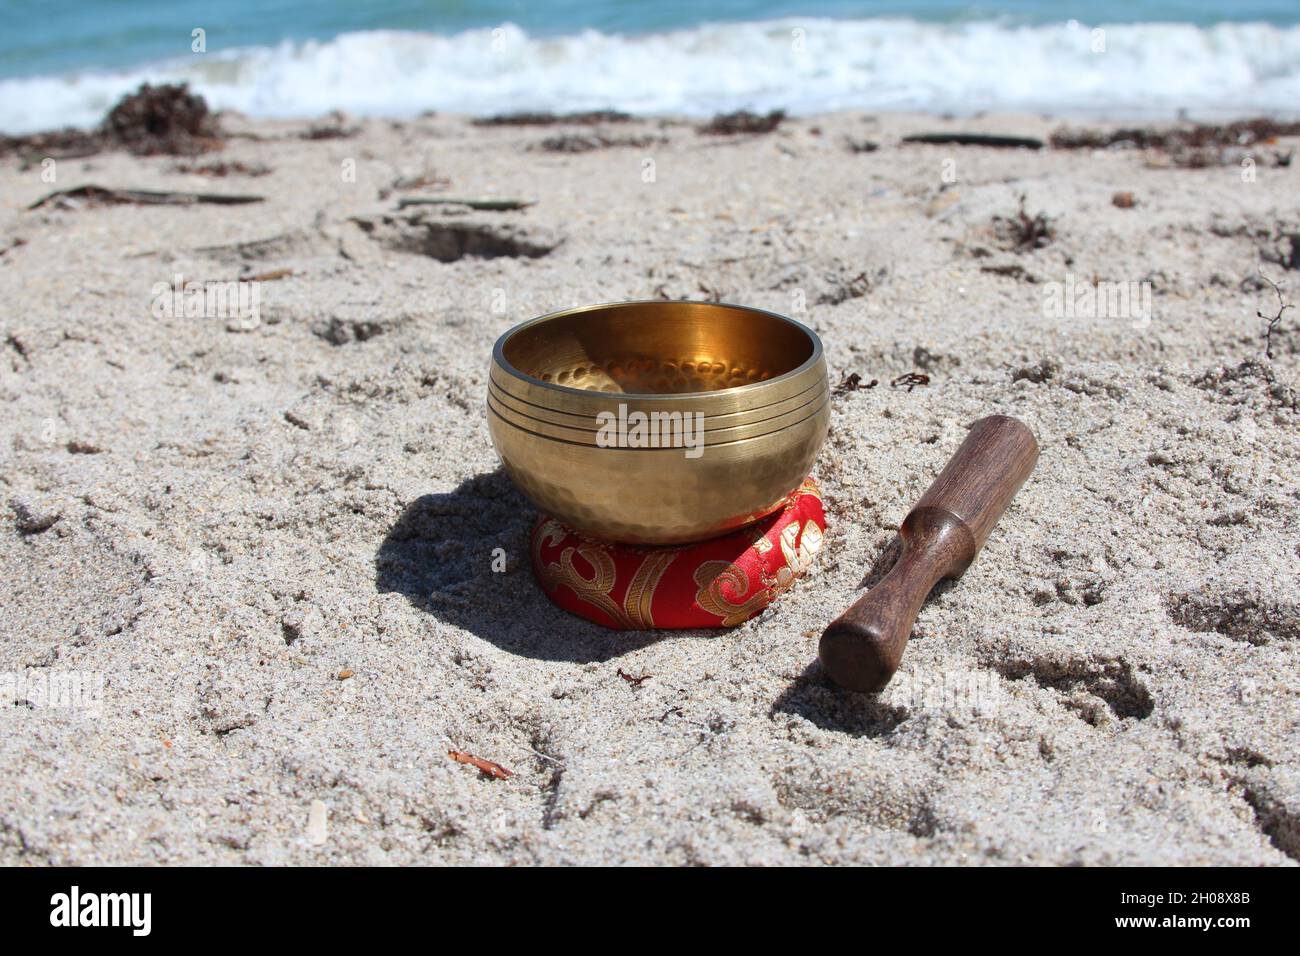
(404, 184)
(487, 767)
(1012, 270)
(1282, 306)
(852, 382)
(490, 205)
(547, 757)
(976, 139)
(911, 380)
(270, 276)
(634, 681)
(102, 196)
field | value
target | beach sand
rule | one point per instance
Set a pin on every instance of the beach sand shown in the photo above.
(273, 540)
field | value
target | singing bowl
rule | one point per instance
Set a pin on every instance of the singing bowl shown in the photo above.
(758, 380)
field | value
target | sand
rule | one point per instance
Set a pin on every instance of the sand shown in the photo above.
(272, 540)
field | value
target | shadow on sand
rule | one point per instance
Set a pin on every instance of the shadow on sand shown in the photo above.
(815, 697)
(440, 555)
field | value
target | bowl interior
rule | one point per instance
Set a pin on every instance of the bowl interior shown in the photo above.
(659, 347)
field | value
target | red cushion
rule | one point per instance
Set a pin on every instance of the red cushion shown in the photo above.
(716, 583)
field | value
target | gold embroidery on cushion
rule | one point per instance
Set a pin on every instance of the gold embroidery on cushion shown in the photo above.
(799, 550)
(799, 547)
(711, 576)
(641, 592)
(594, 590)
(549, 533)
(635, 612)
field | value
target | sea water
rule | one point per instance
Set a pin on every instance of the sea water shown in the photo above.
(66, 63)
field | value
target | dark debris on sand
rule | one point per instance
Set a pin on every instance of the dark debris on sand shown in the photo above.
(154, 120)
(588, 118)
(1196, 146)
(166, 119)
(1285, 248)
(741, 122)
(852, 382)
(1241, 133)
(336, 126)
(220, 170)
(1023, 231)
(586, 142)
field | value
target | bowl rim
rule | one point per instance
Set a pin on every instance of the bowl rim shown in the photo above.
(498, 352)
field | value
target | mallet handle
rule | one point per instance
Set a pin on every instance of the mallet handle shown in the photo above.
(860, 649)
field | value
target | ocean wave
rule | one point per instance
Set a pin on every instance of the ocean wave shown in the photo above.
(804, 66)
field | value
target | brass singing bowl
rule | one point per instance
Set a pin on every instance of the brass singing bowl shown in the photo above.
(756, 379)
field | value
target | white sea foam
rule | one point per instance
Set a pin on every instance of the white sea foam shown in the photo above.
(1145, 69)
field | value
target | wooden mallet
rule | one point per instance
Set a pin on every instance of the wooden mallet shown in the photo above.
(941, 536)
